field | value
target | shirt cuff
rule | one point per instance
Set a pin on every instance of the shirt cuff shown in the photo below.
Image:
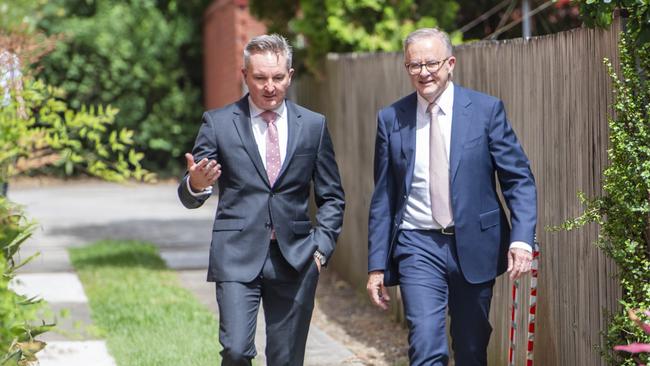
(521, 245)
(204, 192)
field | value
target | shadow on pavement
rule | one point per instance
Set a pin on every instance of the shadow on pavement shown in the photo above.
(166, 234)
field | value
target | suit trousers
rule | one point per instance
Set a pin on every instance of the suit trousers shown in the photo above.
(431, 282)
(288, 301)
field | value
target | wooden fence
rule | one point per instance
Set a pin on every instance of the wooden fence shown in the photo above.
(558, 98)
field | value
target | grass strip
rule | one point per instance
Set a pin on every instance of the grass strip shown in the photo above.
(147, 318)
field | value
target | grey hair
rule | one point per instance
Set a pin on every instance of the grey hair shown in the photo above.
(273, 43)
(428, 33)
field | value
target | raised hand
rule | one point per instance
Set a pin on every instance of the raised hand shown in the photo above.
(202, 174)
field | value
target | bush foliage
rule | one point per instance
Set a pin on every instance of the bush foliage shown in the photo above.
(143, 57)
(38, 128)
(18, 314)
(53, 134)
(623, 211)
(322, 26)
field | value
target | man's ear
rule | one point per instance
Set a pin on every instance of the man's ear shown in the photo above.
(452, 63)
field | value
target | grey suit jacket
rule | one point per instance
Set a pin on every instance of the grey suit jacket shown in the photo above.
(249, 207)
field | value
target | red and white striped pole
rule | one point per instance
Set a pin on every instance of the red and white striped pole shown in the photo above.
(513, 324)
(532, 310)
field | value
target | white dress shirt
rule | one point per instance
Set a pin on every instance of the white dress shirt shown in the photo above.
(260, 127)
(418, 205)
(417, 214)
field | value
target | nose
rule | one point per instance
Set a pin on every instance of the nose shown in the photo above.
(269, 86)
(423, 69)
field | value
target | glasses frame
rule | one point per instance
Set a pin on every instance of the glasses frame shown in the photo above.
(424, 64)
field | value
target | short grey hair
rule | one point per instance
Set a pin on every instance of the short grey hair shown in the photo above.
(273, 43)
(428, 33)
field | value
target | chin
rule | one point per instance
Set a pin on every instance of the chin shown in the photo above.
(272, 103)
(429, 92)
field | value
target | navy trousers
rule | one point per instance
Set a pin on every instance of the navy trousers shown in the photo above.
(431, 282)
(288, 301)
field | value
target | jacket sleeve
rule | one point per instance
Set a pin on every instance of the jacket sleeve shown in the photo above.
(329, 196)
(205, 146)
(514, 175)
(380, 220)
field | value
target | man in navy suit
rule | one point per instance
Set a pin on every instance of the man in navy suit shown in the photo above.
(437, 227)
(266, 153)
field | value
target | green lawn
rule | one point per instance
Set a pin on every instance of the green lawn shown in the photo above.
(147, 318)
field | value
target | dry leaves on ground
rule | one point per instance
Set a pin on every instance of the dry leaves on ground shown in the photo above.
(347, 315)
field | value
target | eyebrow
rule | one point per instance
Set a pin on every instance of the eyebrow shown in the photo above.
(282, 74)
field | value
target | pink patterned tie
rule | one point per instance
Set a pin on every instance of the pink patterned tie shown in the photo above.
(272, 146)
(272, 150)
(438, 171)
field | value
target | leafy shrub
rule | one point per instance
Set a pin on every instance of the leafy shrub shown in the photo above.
(37, 129)
(623, 211)
(17, 313)
(322, 26)
(54, 134)
(140, 56)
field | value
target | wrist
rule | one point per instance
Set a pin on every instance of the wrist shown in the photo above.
(196, 189)
(193, 187)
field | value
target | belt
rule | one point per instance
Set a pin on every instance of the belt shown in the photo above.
(448, 231)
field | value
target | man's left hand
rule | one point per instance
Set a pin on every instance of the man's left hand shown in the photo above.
(519, 262)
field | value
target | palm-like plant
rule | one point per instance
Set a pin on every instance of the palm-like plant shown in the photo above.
(17, 312)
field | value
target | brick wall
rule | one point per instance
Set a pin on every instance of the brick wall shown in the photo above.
(227, 27)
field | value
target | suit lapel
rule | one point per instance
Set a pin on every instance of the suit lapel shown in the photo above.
(294, 125)
(459, 126)
(242, 122)
(407, 120)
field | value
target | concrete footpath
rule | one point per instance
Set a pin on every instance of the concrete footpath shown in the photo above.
(78, 213)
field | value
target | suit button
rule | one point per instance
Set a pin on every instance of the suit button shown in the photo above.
(404, 196)
(267, 225)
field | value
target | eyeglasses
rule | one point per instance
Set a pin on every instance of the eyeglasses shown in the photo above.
(432, 66)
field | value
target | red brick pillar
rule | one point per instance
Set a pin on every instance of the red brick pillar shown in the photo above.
(227, 27)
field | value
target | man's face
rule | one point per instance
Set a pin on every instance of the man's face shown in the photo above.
(429, 50)
(267, 79)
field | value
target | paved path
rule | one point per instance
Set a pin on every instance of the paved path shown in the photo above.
(75, 214)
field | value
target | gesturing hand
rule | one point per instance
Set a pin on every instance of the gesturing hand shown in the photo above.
(376, 289)
(202, 174)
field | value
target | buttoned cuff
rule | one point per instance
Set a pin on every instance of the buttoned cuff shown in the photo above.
(204, 192)
(521, 245)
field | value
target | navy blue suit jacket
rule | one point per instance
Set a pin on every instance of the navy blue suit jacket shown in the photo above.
(249, 206)
(482, 144)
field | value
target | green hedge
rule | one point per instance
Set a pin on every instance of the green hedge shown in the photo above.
(142, 57)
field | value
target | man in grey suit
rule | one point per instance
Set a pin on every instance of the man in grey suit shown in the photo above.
(265, 153)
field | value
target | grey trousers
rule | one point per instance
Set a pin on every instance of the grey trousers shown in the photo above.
(288, 301)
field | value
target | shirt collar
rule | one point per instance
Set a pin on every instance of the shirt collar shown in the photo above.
(445, 101)
(255, 110)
